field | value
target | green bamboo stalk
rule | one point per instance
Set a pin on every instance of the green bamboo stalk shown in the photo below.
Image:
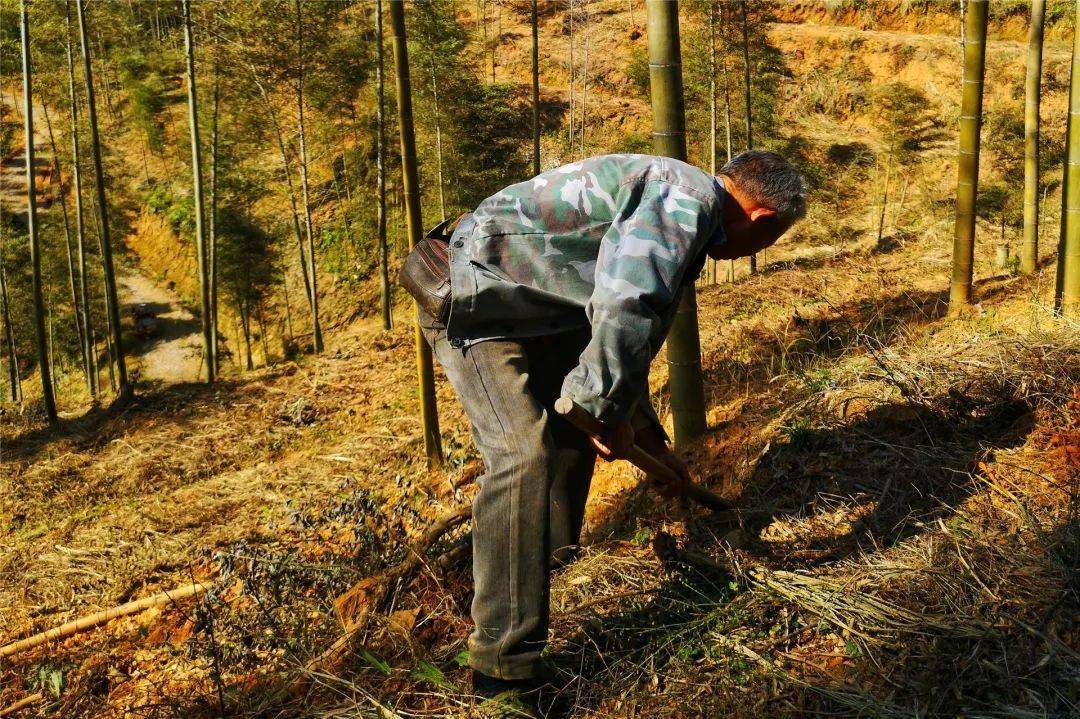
(212, 228)
(14, 381)
(32, 224)
(967, 180)
(309, 230)
(197, 189)
(1067, 299)
(111, 302)
(80, 230)
(748, 114)
(535, 91)
(669, 139)
(62, 192)
(429, 414)
(1029, 253)
(380, 142)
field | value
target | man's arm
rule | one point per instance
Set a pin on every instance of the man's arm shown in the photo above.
(643, 259)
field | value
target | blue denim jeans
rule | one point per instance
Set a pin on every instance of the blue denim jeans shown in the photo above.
(531, 502)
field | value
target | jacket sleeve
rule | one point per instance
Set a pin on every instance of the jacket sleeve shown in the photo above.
(643, 258)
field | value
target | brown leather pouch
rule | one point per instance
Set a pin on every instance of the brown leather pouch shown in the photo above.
(426, 272)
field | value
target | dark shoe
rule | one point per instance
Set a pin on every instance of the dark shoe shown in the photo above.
(505, 698)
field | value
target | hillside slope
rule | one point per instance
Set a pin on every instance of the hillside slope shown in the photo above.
(908, 484)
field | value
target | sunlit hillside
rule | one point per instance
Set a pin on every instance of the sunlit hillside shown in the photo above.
(905, 478)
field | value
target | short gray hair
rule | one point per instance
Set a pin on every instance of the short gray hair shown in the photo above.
(771, 181)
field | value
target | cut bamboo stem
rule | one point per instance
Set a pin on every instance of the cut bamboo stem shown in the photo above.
(92, 620)
(22, 704)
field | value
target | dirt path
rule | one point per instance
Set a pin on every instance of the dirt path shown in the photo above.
(173, 351)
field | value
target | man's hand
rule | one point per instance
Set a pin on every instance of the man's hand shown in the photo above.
(615, 443)
(671, 488)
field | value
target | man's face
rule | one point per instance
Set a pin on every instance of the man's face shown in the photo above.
(749, 228)
(747, 237)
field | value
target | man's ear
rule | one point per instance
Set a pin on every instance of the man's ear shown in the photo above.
(761, 213)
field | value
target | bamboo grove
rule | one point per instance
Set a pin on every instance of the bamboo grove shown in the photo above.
(288, 191)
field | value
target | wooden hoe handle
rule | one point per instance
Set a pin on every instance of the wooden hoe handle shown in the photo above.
(638, 457)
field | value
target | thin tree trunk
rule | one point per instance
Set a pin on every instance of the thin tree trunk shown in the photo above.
(1001, 260)
(15, 382)
(262, 333)
(746, 79)
(1067, 290)
(585, 86)
(52, 350)
(727, 100)
(438, 140)
(712, 87)
(110, 353)
(67, 246)
(32, 223)
(429, 415)
(570, 134)
(884, 202)
(317, 338)
(288, 305)
(111, 302)
(968, 155)
(287, 171)
(712, 110)
(536, 91)
(380, 143)
(350, 243)
(213, 223)
(746, 99)
(1029, 254)
(669, 139)
(108, 319)
(237, 357)
(245, 320)
(80, 230)
(197, 190)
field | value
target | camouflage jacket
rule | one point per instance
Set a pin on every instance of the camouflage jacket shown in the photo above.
(605, 242)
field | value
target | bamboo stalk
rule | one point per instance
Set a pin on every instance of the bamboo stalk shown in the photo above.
(112, 304)
(967, 181)
(380, 142)
(429, 413)
(76, 175)
(309, 231)
(535, 92)
(202, 257)
(1029, 255)
(1067, 290)
(22, 704)
(32, 224)
(669, 139)
(98, 618)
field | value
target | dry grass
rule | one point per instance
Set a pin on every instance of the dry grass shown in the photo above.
(911, 548)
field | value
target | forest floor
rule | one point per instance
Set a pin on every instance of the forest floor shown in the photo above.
(907, 541)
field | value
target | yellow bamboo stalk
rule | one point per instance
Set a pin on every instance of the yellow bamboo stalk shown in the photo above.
(92, 620)
(22, 704)
(967, 181)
